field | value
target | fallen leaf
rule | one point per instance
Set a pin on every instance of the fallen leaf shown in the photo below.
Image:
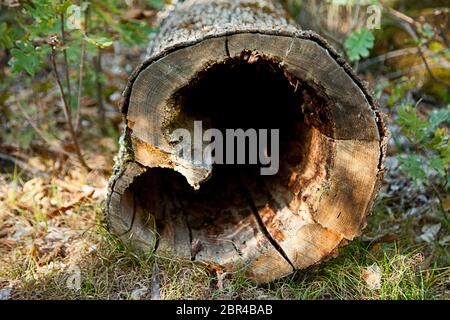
(69, 206)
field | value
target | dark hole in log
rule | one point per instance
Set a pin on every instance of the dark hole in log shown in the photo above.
(238, 94)
(236, 203)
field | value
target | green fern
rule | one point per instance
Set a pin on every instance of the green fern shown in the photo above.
(359, 44)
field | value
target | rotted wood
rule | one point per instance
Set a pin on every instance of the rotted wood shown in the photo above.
(330, 169)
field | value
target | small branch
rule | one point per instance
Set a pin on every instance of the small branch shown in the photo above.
(66, 61)
(404, 72)
(98, 70)
(66, 106)
(80, 87)
(67, 113)
(400, 15)
(430, 71)
(443, 30)
(387, 56)
(413, 32)
(80, 75)
(411, 26)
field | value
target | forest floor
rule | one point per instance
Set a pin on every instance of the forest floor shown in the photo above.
(52, 231)
(54, 243)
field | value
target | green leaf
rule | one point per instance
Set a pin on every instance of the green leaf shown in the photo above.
(412, 126)
(437, 163)
(156, 4)
(101, 42)
(413, 167)
(441, 144)
(438, 117)
(359, 43)
(25, 58)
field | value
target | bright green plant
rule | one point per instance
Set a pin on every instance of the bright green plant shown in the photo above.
(57, 39)
(359, 44)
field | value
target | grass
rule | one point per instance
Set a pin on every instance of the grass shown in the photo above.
(111, 270)
(48, 252)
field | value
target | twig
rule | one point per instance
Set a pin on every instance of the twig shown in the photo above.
(403, 72)
(66, 61)
(411, 26)
(66, 111)
(80, 87)
(98, 70)
(400, 15)
(430, 72)
(388, 56)
(69, 206)
(413, 32)
(443, 31)
(80, 75)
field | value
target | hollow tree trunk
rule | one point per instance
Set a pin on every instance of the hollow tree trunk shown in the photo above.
(244, 64)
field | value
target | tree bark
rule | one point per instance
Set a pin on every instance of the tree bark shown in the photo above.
(245, 64)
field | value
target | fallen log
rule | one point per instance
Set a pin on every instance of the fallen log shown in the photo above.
(245, 64)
